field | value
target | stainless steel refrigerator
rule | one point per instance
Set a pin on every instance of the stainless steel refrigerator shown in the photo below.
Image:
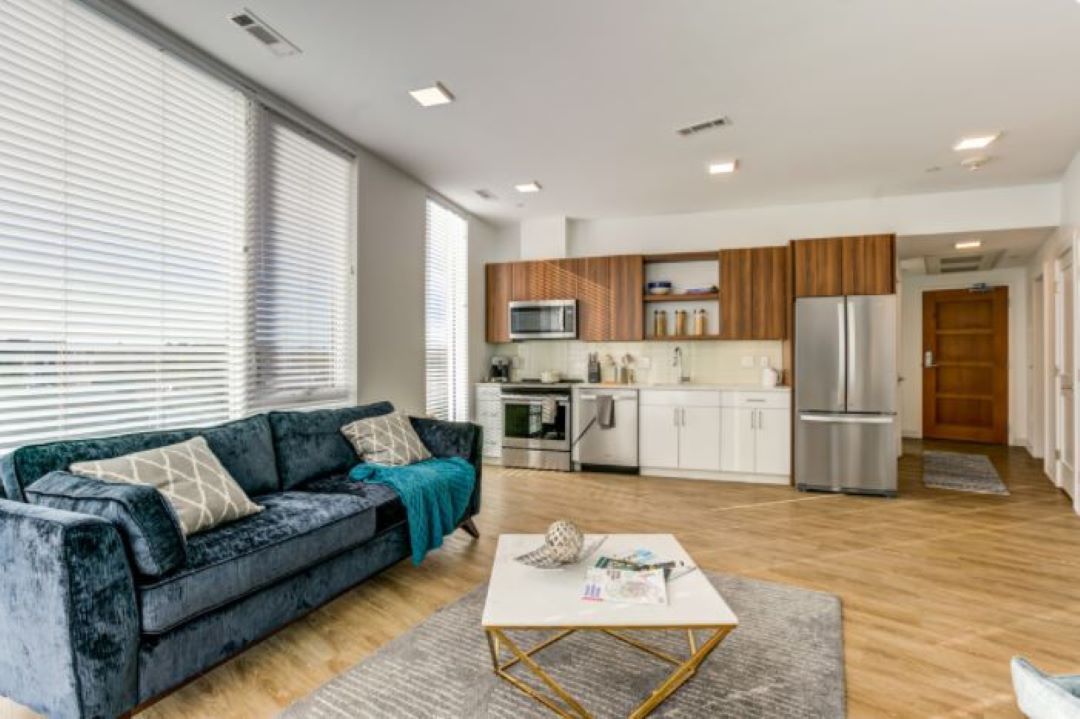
(845, 394)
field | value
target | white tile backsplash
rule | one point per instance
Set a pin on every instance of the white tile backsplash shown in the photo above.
(712, 362)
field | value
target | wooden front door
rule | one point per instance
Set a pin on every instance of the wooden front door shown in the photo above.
(965, 365)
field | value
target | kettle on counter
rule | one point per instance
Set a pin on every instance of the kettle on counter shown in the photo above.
(769, 377)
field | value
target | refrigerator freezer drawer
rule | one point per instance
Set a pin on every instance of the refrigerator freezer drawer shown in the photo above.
(846, 453)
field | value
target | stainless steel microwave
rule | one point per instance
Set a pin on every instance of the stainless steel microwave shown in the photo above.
(543, 320)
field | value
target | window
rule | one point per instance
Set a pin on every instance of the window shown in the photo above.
(127, 183)
(446, 312)
(121, 206)
(300, 270)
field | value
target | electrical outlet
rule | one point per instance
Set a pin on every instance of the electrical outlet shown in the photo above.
(748, 362)
(763, 361)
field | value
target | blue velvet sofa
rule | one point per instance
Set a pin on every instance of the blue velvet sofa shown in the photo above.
(85, 632)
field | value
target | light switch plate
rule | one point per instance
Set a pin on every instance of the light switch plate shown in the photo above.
(748, 362)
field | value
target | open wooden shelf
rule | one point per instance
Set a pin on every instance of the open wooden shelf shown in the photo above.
(701, 297)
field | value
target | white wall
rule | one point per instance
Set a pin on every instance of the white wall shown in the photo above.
(1002, 208)
(543, 238)
(391, 221)
(1067, 236)
(911, 308)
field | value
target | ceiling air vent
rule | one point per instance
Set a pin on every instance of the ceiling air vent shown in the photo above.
(267, 36)
(486, 194)
(963, 263)
(703, 126)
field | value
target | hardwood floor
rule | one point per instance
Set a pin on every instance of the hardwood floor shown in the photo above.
(939, 588)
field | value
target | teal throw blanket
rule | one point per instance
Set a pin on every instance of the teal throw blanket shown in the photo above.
(435, 493)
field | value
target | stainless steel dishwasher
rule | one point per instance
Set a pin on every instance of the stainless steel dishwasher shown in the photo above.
(605, 444)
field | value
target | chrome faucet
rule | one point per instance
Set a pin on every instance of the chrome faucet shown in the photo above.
(677, 361)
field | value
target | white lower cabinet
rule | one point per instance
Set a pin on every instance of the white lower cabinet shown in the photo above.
(743, 435)
(756, 433)
(737, 451)
(679, 429)
(698, 431)
(772, 447)
(489, 416)
(658, 436)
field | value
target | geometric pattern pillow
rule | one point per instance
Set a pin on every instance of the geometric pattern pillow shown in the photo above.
(201, 491)
(388, 439)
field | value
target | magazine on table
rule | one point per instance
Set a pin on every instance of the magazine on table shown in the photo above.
(639, 577)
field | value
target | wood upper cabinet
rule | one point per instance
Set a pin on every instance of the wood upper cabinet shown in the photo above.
(627, 290)
(498, 284)
(818, 267)
(754, 294)
(869, 265)
(596, 300)
(772, 298)
(736, 294)
(608, 290)
(863, 265)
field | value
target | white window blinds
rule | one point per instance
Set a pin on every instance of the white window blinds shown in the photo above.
(122, 175)
(301, 270)
(446, 311)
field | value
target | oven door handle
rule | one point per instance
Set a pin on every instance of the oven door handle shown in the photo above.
(519, 399)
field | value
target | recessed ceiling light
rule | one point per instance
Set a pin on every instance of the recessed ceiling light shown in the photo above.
(976, 142)
(527, 187)
(437, 94)
(968, 245)
(723, 168)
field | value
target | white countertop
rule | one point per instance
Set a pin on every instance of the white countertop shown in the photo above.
(725, 387)
(689, 386)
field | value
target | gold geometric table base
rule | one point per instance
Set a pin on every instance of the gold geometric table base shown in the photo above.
(570, 708)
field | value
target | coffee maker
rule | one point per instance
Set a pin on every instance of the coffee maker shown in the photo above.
(499, 371)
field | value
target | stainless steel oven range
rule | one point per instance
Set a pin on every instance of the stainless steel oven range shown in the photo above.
(536, 426)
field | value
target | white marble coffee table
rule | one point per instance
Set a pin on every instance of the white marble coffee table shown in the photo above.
(549, 600)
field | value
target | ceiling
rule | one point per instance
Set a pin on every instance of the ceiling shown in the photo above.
(829, 99)
(937, 253)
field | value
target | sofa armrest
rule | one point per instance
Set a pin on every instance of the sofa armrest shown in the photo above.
(146, 521)
(69, 625)
(455, 439)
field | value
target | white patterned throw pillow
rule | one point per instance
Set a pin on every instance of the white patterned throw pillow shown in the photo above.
(201, 491)
(387, 439)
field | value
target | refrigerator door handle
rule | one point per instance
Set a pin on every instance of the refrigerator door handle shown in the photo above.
(841, 355)
(847, 418)
(852, 366)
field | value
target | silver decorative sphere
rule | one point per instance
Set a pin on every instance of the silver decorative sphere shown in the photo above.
(565, 541)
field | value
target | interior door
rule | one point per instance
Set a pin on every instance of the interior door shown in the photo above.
(965, 365)
(1064, 365)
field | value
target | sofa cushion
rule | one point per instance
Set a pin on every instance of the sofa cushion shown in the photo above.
(389, 510)
(310, 444)
(147, 523)
(201, 491)
(389, 439)
(295, 531)
(245, 447)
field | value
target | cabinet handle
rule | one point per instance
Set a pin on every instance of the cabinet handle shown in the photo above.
(753, 421)
(760, 419)
(675, 416)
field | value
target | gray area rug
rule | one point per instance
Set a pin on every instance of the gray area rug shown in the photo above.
(962, 473)
(785, 659)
